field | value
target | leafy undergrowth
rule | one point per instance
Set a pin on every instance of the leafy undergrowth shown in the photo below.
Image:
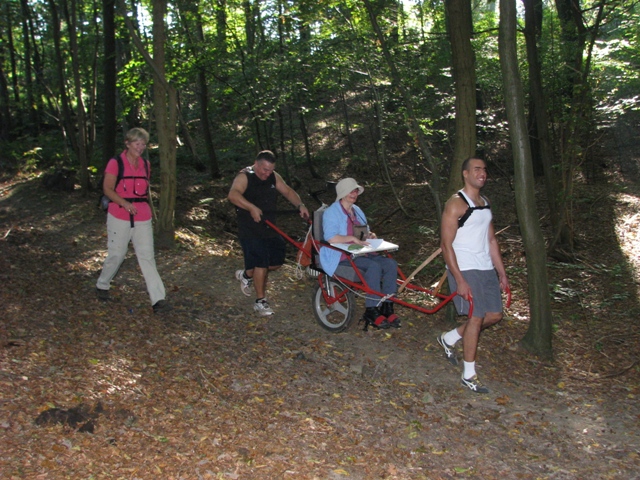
(211, 391)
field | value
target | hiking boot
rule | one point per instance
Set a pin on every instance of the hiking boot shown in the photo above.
(245, 283)
(162, 306)
(262, 307)
(448, 350)
(103, 295)
(474, 384)
(373, 317)
(386, 309)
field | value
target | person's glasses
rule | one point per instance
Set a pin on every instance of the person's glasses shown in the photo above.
(357, 190)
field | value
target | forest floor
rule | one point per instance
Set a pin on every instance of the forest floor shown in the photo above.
(212, 391)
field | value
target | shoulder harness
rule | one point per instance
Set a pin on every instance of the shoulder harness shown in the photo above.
(470, 209)
(121, 176)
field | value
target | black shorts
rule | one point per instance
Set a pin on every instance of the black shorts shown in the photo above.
(485, 290)
(263, 252)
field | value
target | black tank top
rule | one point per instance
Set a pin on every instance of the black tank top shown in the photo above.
(263, 194)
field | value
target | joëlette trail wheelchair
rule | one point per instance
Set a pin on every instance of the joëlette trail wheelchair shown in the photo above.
(334, 296)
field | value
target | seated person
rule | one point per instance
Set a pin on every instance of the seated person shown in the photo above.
(379, 272)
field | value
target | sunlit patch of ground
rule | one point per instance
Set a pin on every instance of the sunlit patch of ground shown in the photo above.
(628, 229)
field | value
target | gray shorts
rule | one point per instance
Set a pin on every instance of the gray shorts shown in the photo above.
(485, 290)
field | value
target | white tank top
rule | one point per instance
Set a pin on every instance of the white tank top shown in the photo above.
(471, 244)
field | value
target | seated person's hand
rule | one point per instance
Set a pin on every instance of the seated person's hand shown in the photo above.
(360, 242)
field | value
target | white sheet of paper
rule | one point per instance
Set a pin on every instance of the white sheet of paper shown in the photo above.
(376, 245)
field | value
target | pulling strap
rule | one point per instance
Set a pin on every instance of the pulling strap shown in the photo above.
(134, 200)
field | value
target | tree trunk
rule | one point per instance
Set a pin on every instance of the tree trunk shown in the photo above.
(109, 81)
(538, 337)
(193, 21)
(413, 125)
(166, 113)
(307, 145)
(12, 55)
(5, 114)
(165, 107)
(28, 75)
(203, 94)
(460, 30)
(347, 120)
(539, 107)
(221, 37)
(283, 161)
(66, 123)
(81, 152)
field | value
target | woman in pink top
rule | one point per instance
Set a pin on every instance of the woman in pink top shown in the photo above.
(129, 219)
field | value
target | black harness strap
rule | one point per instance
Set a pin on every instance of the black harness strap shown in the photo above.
(122, 177)
(470, 209)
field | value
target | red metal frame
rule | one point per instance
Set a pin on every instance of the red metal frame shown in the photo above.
(444, 299)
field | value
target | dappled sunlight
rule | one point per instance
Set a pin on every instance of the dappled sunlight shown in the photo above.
(115, 376)
(206, 245)
(627, 229)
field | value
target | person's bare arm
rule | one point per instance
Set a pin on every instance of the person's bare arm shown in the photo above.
(236, 196)
(453, 210)
(347, 239)
(291, 195)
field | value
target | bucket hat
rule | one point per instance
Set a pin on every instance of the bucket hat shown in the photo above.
(345, 187)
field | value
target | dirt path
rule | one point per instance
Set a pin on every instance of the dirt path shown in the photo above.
(211, 391)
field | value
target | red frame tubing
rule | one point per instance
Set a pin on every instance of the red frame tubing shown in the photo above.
(362, 285)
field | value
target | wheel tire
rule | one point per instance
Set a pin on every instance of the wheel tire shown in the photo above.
(338, 316)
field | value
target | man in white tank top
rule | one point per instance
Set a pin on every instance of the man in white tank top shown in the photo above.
(474, 268)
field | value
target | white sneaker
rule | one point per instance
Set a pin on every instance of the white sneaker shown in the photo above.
(245, 283)
(263, 308)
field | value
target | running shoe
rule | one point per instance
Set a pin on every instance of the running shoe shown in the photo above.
(474, 384)
(245, 283)
(448, 350)
(263, 308)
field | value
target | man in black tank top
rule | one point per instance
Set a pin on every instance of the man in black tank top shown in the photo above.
(254, 192)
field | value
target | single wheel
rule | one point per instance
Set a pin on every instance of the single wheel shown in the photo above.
(333, 316)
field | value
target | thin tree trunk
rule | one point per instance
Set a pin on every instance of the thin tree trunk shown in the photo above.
(81, 152)
(5, 101)
(307, 145)
(28, 74)
(109, 94)
(552, 184)
(202, 90)
(347, 120)
(538, 337)
(12, 55)
(285, 164)
(414, 126)
(66, 123)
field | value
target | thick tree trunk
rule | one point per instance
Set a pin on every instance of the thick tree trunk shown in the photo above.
(460, 30)
(166, 112)
(539, 335)
(165, 107)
